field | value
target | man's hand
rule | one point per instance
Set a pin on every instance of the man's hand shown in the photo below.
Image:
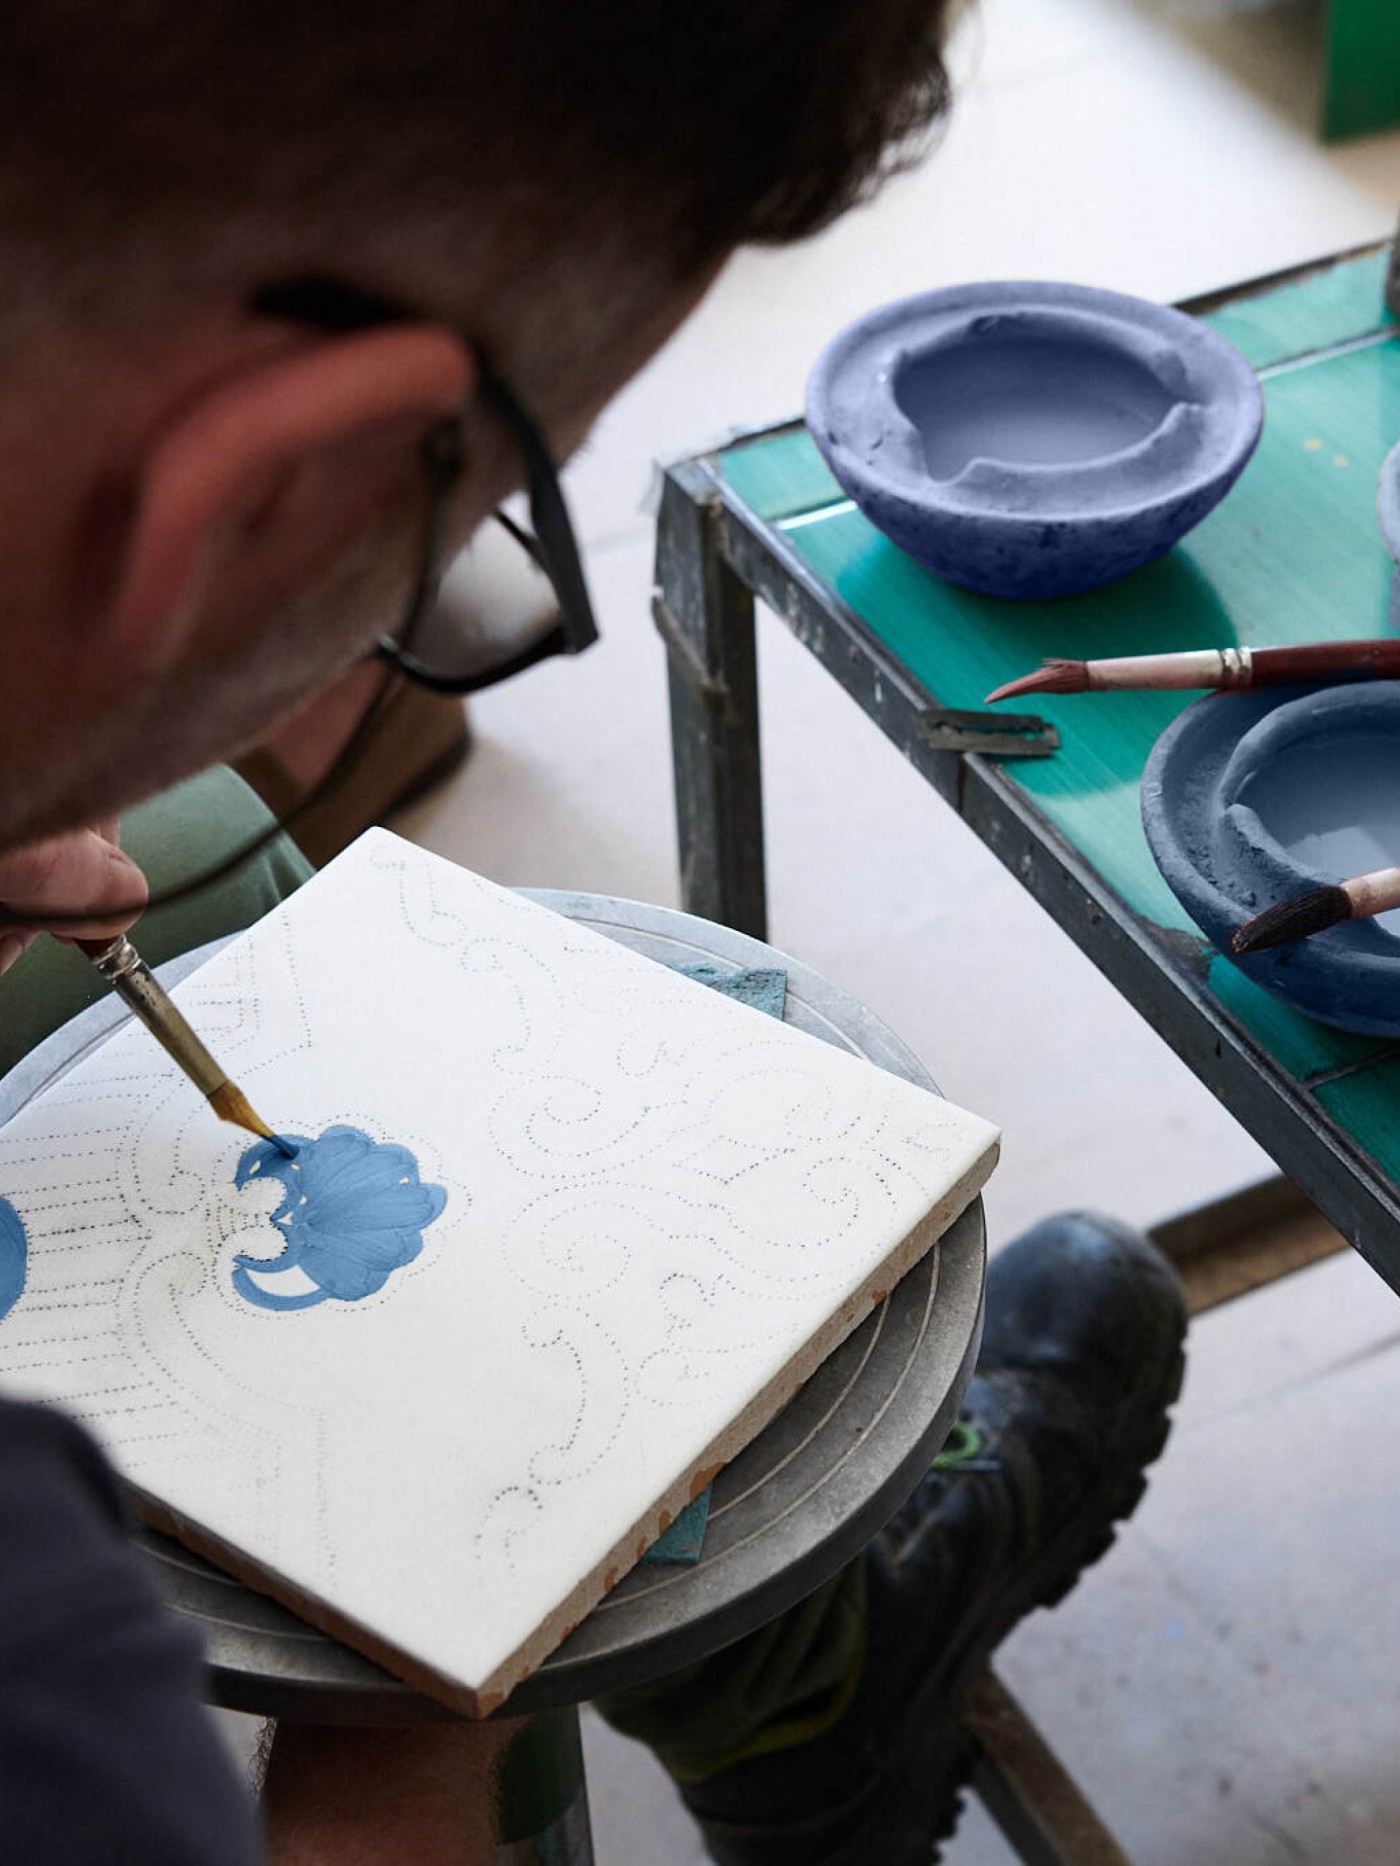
(84, 869)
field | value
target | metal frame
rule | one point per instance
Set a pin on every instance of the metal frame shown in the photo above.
(1024, 1787)
(714, 556)
(712, 559)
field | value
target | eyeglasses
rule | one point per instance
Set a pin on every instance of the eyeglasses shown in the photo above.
(468, 658)
(464, 660)
(471, 658)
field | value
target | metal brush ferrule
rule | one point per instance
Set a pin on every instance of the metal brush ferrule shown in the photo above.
(1236, 667)
(130, 977)
(118, 960)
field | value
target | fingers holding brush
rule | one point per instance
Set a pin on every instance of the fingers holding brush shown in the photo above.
(84, 869)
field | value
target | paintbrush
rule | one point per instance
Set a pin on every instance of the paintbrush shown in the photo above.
(1211, 667)
(134, 983)
(1316, 909)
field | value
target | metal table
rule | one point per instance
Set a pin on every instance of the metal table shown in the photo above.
(803, 1500)
(1293, 554)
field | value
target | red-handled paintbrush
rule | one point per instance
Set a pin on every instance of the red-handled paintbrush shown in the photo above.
(1211, 667)
(1316, 909)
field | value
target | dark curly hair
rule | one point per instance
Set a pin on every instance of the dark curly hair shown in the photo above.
(706, 123)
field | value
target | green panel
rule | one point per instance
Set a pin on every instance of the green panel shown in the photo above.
(1293, 554)
(1367, 1106)
(1362, 81)
(1301, 1047)
(1330, 307)
(781, 476)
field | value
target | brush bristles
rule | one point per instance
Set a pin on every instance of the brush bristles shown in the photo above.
(1050, 677)
(1294, 919)
(230, 1104)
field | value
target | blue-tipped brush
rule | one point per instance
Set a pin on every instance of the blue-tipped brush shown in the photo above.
(131, 978)
(231, 1104)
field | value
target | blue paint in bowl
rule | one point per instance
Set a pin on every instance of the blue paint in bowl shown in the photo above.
(1248, 798)
(1033, 440)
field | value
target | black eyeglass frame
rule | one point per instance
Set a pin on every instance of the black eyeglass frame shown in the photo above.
(552, 544)
(328, 305)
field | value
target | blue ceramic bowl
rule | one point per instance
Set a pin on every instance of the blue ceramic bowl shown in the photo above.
(1248, 798)
(1032, 440)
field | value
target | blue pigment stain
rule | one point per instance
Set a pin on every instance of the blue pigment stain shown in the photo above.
(14, 1256)
(353, 1211)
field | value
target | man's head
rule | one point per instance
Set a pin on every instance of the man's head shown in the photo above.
(211, 508)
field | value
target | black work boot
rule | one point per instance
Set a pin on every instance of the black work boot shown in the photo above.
(1081, 1357)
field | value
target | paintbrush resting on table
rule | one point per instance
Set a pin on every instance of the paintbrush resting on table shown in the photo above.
(1211, 667)
(135, 984)
(1316, 909)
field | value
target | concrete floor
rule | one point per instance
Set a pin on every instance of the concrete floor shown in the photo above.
(1226, 1684)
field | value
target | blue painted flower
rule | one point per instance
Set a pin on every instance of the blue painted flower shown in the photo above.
(14, 1257)
(353, 1210)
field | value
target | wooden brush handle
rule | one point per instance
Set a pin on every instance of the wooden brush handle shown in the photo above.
(1373, 893)
(1320, 659)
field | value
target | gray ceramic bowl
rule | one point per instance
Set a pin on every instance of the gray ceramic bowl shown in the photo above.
(1033, 439)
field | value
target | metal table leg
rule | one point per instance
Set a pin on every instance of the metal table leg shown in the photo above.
(705, 616)
(1023, 1787)
(544, 1797)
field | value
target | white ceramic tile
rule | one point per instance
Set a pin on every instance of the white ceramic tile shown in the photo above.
(489, 1349)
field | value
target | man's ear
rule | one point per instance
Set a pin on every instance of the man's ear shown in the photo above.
(226, 455)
